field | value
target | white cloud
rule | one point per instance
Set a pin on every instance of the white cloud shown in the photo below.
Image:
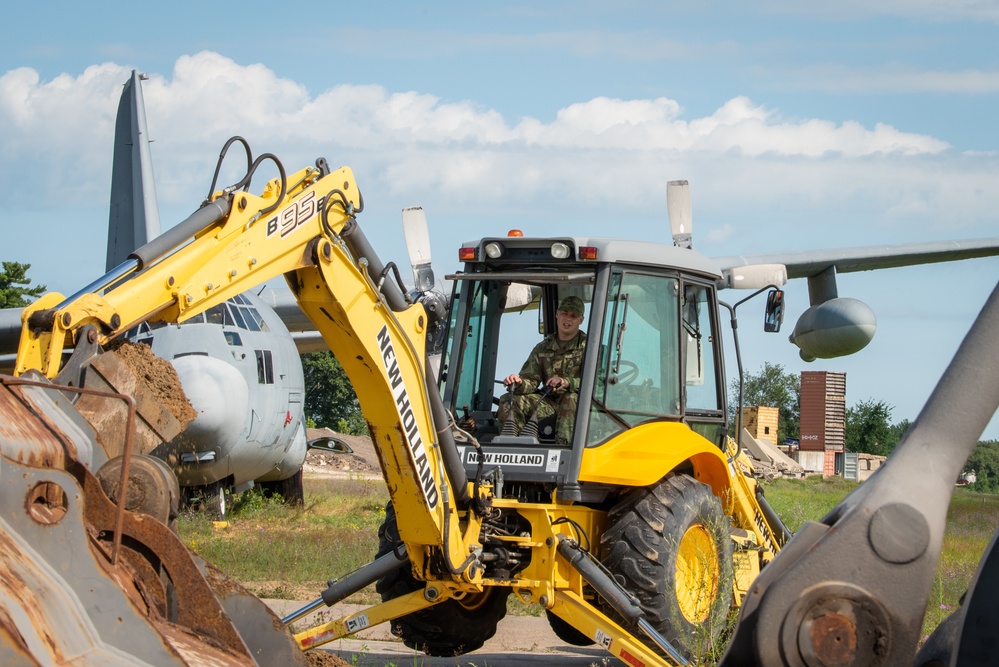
(601, 154)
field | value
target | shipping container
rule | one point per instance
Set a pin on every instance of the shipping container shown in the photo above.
(812, 462)
(822, 411)
(829, 469)
(850, 468)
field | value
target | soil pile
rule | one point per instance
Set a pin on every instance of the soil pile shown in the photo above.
(158, 375)
(323, 659)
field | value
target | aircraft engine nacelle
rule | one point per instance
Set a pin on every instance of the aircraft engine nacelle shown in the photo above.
(834, 328)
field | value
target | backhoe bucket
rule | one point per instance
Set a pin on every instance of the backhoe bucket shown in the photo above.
(90, 583)
(132, 369)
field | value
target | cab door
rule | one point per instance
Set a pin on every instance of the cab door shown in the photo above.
(638, 368)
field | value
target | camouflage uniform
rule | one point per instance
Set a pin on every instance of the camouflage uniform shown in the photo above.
(549, 358)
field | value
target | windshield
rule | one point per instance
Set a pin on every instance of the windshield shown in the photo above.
(638, 369)
(494, 328)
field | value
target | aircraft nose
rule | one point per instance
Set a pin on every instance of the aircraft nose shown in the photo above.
(220, 396)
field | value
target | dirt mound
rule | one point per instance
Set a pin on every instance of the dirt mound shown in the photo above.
(159, 376)
(323, 659)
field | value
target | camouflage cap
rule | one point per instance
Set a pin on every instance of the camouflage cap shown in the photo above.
(572, 304)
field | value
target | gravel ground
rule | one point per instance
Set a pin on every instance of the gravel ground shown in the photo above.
(526, 641)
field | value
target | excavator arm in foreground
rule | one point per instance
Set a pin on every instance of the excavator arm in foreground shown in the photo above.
(304, 228)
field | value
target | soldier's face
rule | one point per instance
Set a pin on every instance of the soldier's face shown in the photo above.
(568, 324)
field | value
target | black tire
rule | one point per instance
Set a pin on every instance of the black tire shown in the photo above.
(453, 627)
(669, 545)
(291, 490)
(566, 632)
(213, 498)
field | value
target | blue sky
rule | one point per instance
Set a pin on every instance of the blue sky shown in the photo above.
(798, 126)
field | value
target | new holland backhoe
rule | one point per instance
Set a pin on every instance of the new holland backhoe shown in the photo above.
(640, 535)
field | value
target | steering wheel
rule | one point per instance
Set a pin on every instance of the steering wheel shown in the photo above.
(627, 372)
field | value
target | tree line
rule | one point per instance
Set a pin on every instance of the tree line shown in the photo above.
(869, 426)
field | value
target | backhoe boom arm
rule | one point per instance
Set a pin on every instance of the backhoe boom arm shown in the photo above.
(308, 233)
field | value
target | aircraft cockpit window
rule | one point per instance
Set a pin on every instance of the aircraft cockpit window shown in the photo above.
(265, 367)
(237, 317)
(261, 325)
(232, 338)
(143, 328)
(197, 319)
(251, 321)
(216, 314)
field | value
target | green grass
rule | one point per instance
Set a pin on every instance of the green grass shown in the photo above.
(971, 521)
(799, 500)
(290, 553)
(281, 552)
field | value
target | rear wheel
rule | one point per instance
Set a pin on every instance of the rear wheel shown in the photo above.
(291, 489)
(453, 627)
(669, 545)
(566, 632)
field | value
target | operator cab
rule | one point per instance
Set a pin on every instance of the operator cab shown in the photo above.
(652, 351)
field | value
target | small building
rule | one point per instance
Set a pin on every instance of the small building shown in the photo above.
(761, 422)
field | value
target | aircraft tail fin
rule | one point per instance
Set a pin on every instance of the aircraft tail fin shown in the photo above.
(134, 218)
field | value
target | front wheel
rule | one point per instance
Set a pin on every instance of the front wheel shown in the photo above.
(212, 498)
(453, 627)
(669, 545)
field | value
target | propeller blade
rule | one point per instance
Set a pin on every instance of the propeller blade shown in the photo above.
(414, 226)
(679, 211)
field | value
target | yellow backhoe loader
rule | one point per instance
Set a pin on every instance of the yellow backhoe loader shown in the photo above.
(640, 532)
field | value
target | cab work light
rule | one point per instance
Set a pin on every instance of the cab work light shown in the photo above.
(494, 250)
(560, 250)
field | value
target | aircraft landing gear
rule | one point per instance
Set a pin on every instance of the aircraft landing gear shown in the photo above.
(214, 498)
(291, 489)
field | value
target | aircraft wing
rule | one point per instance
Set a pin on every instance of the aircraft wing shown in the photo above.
(833, 326)
(303, 331)
(807, 263)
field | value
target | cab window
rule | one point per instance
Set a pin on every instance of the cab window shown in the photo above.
(637, 377)
(703, 398)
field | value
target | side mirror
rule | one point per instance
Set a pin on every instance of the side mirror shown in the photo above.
(775, 311)
(330, 444)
